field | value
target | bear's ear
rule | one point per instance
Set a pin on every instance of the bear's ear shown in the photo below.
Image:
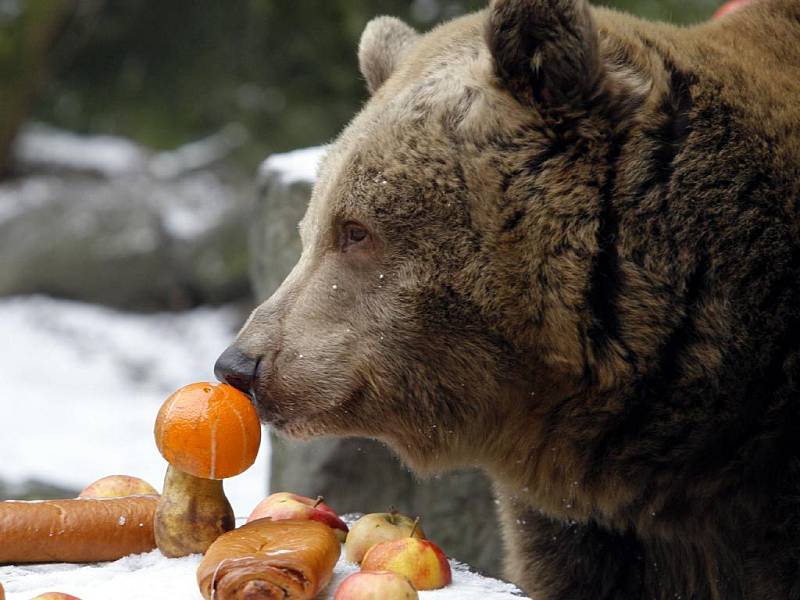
(382, 45)
(545, 51)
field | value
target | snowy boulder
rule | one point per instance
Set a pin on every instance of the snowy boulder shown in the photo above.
(356, 475)
(39, 147)
(284, 184)
(102, 220)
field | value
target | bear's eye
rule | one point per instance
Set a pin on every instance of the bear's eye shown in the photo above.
(354, 234)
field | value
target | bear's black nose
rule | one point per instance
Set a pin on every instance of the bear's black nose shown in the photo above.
(236, 368)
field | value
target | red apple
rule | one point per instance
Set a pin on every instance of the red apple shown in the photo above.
(117, 486)
(284, 505)
(375, 528)
(55, 596)
(422, 561)
(730, 6)
(380, 585)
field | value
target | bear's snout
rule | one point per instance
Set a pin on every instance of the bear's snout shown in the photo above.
(236, 368)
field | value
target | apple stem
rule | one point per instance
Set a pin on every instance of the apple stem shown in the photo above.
(319, 501)
(414, 528)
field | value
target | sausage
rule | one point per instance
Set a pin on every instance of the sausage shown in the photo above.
(76, 530)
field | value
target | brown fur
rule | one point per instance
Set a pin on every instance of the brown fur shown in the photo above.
(582, 275)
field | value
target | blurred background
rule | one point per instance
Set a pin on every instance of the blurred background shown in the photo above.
(165, 73)
(139, 225)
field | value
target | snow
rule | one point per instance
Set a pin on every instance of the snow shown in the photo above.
(166, 192)
(41, 146)
(292, 167)
(83, 385)
(185, 208)
(139, 576)
(151, 576)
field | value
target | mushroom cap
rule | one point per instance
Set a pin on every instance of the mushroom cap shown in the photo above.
(209, 430)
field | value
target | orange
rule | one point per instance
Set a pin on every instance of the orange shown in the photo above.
(209, 430)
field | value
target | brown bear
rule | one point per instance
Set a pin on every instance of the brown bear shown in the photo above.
(563, 244)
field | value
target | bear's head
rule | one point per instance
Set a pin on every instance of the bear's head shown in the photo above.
(449, 243)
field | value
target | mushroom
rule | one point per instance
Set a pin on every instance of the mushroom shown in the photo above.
(207, 432)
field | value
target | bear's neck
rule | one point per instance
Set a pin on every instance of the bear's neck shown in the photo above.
(599, 458)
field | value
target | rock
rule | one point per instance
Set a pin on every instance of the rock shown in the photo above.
(285, 182)
(44, 149)
(103, 220)
(355, 475)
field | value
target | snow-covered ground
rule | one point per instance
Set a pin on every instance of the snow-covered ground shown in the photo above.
(81, 386)
(152, 577)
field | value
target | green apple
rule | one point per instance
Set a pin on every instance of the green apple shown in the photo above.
(375, 528)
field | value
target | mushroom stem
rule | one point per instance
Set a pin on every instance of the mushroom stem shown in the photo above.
(191, 514)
